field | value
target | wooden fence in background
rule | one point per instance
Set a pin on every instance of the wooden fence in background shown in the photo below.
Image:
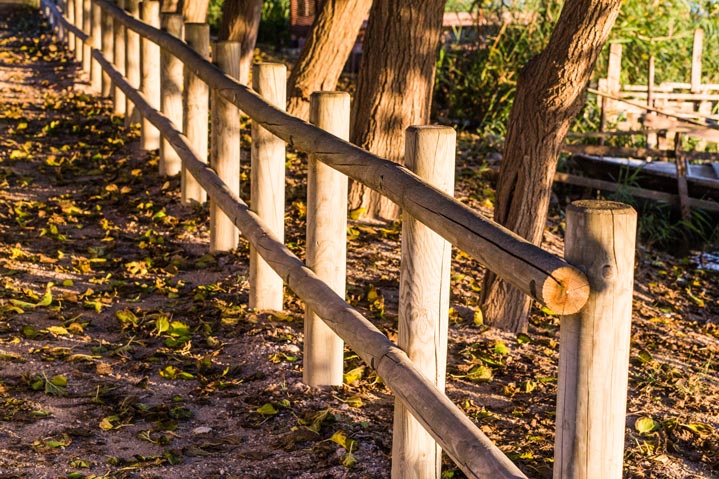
(595, 307)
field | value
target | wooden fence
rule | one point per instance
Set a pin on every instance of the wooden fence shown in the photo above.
(106, 38)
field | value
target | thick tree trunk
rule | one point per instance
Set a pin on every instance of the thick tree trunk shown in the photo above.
(550, 93)
(195, 11)
(323, 56)
(395, 84)
(240, 22)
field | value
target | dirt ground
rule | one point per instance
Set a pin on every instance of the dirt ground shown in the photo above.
(127, 351)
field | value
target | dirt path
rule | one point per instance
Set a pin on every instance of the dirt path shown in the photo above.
(128, 352)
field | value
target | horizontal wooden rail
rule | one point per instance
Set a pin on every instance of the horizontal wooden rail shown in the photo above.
(471, 450)
(542, 275)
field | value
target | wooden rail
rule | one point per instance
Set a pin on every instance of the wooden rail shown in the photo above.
(544, 276)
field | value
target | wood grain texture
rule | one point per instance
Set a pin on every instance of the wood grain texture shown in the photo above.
(267, 184)
(96, 43)
(87, 28)
(697, 47)
(150, 73)
(225, 144)
(524, 265)
(195, 105)
(473, 452)
(118, 56)
(171, 81)
(77, 21)
(594, 346)
(423, 300)
(326, 240)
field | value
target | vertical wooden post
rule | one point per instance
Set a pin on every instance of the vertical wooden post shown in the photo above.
(195, 100)
(78, 23)
(171, 78)
(697, 61)
(118, 97)
(132, 62)
(323, 359)
(682, 170)
(108, 51)
(614, 86)
(69, 13)
(267, 190)
(594, 345)
(87, 28)
(423, 300)
(225, 144)
(150, 73)
(96, 27)
(651, 136)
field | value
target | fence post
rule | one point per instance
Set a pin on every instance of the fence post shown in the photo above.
(323, 359)
(423, 300)
(594, 345)
(651, 136)
(171, 97)
(132, 62)
(106, 42)
(77, 21)
(87, 28)
(69, 38)
(96, 38)
(697, 48)
(150, 73)
(613, 83)
(267, 184)
(195, 99)
(118, 97)
(225, 144)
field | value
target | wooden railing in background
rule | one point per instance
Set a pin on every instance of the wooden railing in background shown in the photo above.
(597, 307)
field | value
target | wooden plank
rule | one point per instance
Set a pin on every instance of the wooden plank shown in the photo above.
(106, 43)
(119, 103)
(132, 62)
(471, 450)
(326, 240)
(634, 191)
(594, 350)
(424, 300)
(171, 80)
(543, 276)
(150, 73)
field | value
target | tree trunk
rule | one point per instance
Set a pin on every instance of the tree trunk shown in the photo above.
(195, 11)
(323, 56)
(240, 22)
(170, 6)
(394, 89)
(550, 93)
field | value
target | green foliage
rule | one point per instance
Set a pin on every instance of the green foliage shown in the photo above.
(274, 27)
(476, 83)
(663, 29)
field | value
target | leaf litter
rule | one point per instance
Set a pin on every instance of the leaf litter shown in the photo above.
(127, 350)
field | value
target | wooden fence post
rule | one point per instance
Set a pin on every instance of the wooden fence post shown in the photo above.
(613, 84)
(108, 49)
(594, 345)
(423, 300)
(150, 73)
(69, 39)
(697, 48)
(96, 37)
(171, 78)
(77, 21)
(118, 97)
(651, 136)
(87, 28)
(132, 62)
(323, 359)
(195, 105)
(267, 190)
(225, 144)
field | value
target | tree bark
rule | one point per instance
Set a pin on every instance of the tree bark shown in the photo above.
(170, 6)
(550, 93)
(195, 11)
(240, 22)
(334, 33)
(394, 88)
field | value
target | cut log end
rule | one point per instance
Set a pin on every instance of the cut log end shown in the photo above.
(566, 291)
